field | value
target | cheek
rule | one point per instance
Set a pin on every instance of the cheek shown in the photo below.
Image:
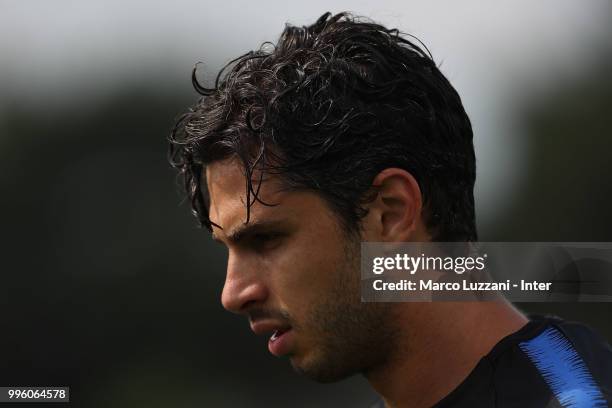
(306, 272)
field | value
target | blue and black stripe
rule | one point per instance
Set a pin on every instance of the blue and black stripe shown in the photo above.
(563, 370)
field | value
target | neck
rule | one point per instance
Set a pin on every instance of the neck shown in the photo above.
(438, 345)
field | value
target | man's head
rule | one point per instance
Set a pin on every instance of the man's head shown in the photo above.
(343, 131)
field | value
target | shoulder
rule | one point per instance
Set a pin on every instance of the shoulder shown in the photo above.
(593, 350)
(547, 363)
(573, 361)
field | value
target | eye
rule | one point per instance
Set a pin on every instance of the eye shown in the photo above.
(265, 240)
(264, 236)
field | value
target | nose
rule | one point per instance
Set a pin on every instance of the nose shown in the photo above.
(244, 285)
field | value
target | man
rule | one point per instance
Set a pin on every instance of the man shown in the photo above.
(346, 132)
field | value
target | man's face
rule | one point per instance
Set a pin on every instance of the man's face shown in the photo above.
(295, 274)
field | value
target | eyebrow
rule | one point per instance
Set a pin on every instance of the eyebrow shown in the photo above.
(245, 230)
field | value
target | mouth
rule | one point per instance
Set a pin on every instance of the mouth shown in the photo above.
(280, 342)
(276, 335)
(281, 339)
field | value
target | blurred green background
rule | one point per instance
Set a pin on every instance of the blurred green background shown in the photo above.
(108, 286)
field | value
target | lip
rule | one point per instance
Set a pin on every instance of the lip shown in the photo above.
(279, 345)
(282, 344)
(268, 326)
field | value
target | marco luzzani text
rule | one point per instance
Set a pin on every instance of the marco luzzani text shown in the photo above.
(458, 265)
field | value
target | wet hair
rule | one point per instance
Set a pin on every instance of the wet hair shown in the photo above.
(326, 109)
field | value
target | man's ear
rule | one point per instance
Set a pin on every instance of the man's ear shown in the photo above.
(395, 214)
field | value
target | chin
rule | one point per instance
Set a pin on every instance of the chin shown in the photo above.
(322, 370)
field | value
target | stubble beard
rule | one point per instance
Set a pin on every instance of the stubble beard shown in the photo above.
(350, 336)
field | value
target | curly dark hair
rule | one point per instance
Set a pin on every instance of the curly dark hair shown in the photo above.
(327, 108)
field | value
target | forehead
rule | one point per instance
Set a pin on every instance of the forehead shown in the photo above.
(226, 183)
(225, 178)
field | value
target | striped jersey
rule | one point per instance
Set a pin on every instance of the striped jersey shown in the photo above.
(549, 363)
